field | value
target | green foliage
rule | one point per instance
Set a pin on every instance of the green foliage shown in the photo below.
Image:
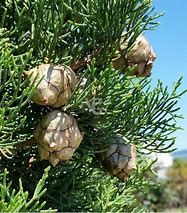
(71, 32)
(56, 29)
(101, 193)
(14, 93)
(19, 202)
(80, 185)
(117, 104)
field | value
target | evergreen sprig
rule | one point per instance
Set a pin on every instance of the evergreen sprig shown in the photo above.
(14, 93)
(116, 104)
(55, 30)
(88, 188)
(12, 201)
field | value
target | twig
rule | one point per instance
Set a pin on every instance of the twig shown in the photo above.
(85, 61)
(28, 143)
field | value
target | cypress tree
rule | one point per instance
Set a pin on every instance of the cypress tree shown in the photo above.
(75, 93)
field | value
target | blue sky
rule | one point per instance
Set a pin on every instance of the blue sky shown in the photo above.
(169, 41)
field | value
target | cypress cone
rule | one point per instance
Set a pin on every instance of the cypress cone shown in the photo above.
(141, 56)
(120, 158)
(56, 87)
(58, 136)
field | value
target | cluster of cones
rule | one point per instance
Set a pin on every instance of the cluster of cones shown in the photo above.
(58, 134)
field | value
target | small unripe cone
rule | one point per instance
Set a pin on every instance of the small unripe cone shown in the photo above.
(58, 136)
(141, 55)
(56, 87)
(120, 159)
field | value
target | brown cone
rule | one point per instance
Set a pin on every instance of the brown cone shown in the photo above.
(56, 87)
(58, 136)
(141, 56)
(120, 160)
